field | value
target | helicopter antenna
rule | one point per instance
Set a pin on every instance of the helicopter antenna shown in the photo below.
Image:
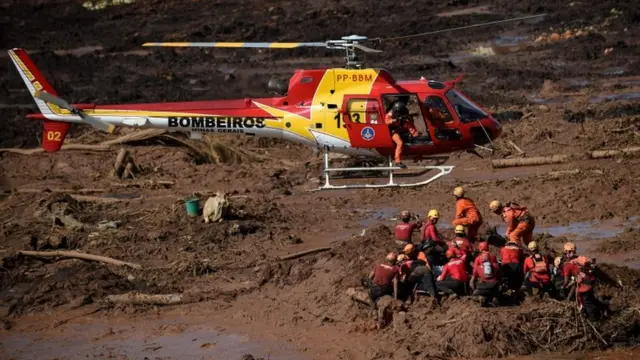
(459, 28)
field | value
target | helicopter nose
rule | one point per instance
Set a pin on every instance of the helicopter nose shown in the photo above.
(496, 128)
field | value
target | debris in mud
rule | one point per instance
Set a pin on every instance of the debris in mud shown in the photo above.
(216, 208)
(508, 115)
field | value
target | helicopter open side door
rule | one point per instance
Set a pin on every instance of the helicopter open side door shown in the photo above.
(364, 121)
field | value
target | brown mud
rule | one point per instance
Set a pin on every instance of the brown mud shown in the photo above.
(568, 96)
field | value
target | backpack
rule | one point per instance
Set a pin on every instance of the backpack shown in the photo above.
(540, 265)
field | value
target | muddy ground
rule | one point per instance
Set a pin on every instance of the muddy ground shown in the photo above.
(570, 96)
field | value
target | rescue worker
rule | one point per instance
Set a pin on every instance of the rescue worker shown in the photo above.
(383, 280)
(557, 279)
(567, 269)
(404, 230)
(511, 260)
(419, 277)
(399, 123)
(454, 277)
(585, 292)
(537, 272)
(520, 223)
(462, 243)
(464, 247)
(467, 214)
(486, 272)
(433, 245)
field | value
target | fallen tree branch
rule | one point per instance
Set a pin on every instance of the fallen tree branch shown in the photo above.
(303, 253)
(64, 147)
(515, 147)
(150, 299)
(103, 146)
(65, 191)
(79, 255)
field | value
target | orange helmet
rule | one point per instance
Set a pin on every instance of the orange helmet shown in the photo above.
(452, 253)
(391, 257)
(582, 260)
(483, 246)
(408, 249)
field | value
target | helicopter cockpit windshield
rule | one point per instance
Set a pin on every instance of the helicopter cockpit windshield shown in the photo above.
(466, 110)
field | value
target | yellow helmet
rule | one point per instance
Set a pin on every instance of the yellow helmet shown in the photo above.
(433, 214)
(402, 257)
(460, 229)
(570, 247)
(533, 245)
(459, 191)
(557, 261)
(495, 205)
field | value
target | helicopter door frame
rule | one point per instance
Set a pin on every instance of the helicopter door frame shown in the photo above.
(364, 120)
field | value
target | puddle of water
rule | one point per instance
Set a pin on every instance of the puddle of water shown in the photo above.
(577, 84)
(378, 216)
(102, 4)
(78, 51)
(552, 100)
(595, 229)
(613, 71)
(121, 196)
(511, 40)
(615, 97)
(86, 341)
(476, 10)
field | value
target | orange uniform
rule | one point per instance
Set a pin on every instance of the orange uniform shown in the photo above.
(520, 223)
(467, 214)
(396, 128)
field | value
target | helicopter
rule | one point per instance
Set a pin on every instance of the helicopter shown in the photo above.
(340, 110)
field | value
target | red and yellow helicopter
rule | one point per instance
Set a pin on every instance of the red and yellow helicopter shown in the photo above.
(337, 109)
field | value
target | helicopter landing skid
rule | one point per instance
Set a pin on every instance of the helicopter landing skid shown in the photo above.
(444, 170)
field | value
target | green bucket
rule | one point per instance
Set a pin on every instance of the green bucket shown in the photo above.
(193, 206)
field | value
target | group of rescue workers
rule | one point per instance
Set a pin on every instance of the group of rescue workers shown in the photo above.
(466, 266)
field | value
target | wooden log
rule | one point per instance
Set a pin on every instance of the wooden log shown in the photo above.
(303, 253)
(539, 160)
(79, 255)
(128, 171)
(120, 159)
(603, 154)
(150, 299)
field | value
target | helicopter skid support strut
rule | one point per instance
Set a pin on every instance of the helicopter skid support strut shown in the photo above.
(444, 170)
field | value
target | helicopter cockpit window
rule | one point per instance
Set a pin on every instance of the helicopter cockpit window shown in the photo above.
(437, 109)
(465, 109)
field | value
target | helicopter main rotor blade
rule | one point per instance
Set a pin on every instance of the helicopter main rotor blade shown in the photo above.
(45, 96)
(93, 121)
(266, 45)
